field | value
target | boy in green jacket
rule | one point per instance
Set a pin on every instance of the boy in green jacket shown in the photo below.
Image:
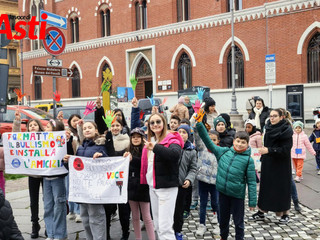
(235, 171)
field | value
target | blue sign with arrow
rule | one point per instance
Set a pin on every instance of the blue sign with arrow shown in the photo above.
(53, 19)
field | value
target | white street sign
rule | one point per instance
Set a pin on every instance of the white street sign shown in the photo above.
(54, 62)
(270, 66)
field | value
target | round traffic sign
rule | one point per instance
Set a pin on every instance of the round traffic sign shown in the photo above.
(54, 42)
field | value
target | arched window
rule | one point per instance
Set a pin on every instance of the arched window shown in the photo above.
(314, 59)
(37, 88)
(74, 27)
(35, 7)
(183, 10)
(141, 15)
(144, 75)
(105, 66)
(184, 72)
(105, 22)
(238, 68)
(76, 83)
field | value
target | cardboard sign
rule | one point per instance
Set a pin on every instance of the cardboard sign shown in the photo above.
(35, 153)
(100, 180)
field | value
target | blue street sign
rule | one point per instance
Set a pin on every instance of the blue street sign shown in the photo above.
(53, 19)
(271, 58)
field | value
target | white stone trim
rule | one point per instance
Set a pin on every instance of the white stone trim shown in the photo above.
(305, 35)
(31, 77)
(227, 44)
(188, 50)
(109, 63)
(101, 3)
(74, 63)
(272, 9)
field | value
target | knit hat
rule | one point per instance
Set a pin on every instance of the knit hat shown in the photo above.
(186, 128)
(250, 121)
(181, 100)
(208, 102)
(226, 117)
(297, 124)
(217, 120)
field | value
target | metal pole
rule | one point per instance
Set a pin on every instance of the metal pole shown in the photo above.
(54, 82)
(233, 97)
(21, 69)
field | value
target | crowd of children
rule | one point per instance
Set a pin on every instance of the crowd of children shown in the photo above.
(196, 154)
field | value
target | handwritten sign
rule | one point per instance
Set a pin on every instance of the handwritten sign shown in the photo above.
(256, 158)
(35, 153)
(100, 180)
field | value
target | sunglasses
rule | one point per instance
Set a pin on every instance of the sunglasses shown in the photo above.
(158, 122)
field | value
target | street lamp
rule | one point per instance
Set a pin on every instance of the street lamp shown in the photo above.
(233, 97)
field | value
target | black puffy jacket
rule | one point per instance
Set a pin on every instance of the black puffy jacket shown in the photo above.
(8, 227)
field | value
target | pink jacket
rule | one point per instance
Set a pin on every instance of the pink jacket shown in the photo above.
(301, 141)
(255, 140)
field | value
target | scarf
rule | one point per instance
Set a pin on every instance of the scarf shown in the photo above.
(257, 117)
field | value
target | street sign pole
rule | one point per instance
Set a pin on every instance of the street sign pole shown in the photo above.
(270, 71)
(54, 85)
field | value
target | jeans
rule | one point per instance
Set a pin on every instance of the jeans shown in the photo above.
(94, 221)
(55, 208)
(195, 191)
(204, 190)
(235, 206)
(73, 207)
(34, 187)
(294, 194)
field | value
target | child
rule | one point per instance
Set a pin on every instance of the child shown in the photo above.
(187, 173)
(315, 138)
(174, 122)
(54, 197)
(298, 150)
(93, 215)
(34, 182)
(116, 145)
(255, 140)
(8, 226)
(220, 126)
(206, 176)
(235, 171)
(138, 194)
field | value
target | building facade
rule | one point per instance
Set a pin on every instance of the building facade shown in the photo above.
(176, 44)
(10, 7)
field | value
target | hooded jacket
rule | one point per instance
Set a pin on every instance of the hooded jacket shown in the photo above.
(255, 140)
(89, 147)
(235, 170)
(165, 165)
(301, 140)
(8, 226)
(187, 164)
(314, 135)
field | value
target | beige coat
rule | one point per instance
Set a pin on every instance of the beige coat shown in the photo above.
(180, 110)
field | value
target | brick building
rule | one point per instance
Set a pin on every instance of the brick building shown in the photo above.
(176, 44)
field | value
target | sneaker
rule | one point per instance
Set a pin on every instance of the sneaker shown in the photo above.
(293, 172)
(284, 219)
(71, 216)
(319, 172)
(209, 208)
(201, 230)
(194, 205)
(78, 219)
(214, 219)
(297, 179)
(186, 215)
(257, 217)
(49, 238)
(179, 236)
(297, 206)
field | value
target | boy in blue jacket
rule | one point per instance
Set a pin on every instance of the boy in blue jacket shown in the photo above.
(235, 171)
(315, 138)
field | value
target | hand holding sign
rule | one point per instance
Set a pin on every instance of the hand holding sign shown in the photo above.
(110, 117)
(90, 108)
(57, 96)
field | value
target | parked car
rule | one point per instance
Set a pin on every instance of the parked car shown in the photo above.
(145, 105)
(27, 113)
(69, 110)
(47, 107)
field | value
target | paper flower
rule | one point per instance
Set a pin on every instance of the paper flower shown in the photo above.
(151, 99)
(107, 80)
(90, 108)
(109, 119)
(200, 93)
(19, 94)
(133, 81)
(56, 96)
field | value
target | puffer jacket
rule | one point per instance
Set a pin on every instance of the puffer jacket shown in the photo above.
(8, 226)
(187, 164)
(235, 170)
(301, 141)
(226, 138)
(207, 162)
(89, 147)
(165, 165)
(314, 135)
(255, 140)
(180, 110)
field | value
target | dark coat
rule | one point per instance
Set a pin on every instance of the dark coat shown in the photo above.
(263, 116)
(315, 134)
(90, 147)
(188, 164)
(226, 138)
(8, 226)
(99, 120)
(135, 118)
(276, 176)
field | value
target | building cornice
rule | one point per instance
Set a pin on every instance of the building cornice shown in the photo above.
(272, 9)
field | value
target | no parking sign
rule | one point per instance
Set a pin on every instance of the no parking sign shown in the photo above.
(54, 42)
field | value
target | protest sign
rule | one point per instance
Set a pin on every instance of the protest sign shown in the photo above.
(100, 180)
(35, 153)
(256, 158)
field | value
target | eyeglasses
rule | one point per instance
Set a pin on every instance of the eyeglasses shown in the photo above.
(158, 122)
(273, 116)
